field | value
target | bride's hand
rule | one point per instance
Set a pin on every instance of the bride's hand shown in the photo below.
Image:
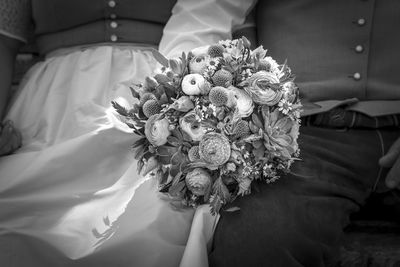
(10, 138)
(392, 160)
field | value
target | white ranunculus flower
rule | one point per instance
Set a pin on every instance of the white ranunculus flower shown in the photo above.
(157, 130)
(260, 89)
(244, 103)
(195, 84)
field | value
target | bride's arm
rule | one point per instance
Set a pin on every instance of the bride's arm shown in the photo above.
(8, 50)
(14, 23)
(196, 23)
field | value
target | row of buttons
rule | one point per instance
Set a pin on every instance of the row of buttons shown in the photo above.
(359, 48)
(113, 24)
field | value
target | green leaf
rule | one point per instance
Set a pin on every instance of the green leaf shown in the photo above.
(164, 178)
(175, 66)
(177, 158)
(120, 109)
(166, 150)
(220, 189)
(177, 178)
(207, 194)
(173, 140)
(257, 121)
(151, 164)
(186, 138)
(257, 143)
(163, 99)
(165, 153)
(160, 57)
(141, 141)
(140, 165)
(215, 204)
(140, 151)
(174, 170)
(184, 165)
(177, 133)
(139, 132)
(130, 125)
(177, 190)
(134, 93)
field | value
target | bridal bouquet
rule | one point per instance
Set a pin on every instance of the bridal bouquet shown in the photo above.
(215, 120)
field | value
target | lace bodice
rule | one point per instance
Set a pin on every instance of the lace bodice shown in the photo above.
(14, 18)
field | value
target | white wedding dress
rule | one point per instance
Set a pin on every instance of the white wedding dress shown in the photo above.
(71, 195)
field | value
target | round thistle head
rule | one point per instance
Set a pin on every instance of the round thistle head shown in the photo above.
(222, 78)
(193, 153)
(145, 97)
(218, 96)
(216, 50)
(241, 129)
(151, 107)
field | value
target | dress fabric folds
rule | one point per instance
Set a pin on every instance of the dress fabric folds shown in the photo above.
(71, 196)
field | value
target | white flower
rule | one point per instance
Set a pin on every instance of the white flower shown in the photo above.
(261, 88)
(284, 106)
(195, 84)
(242, 100)
(157, 130)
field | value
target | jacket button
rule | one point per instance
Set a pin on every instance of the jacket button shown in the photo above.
(359, 48)
(112, 3)
(357, 76)
(361, 21)
(113, 24)
(113, 38)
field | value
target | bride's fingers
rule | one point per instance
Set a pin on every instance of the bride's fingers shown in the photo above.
(6, 135)
(10, 140)
(391, 156)
(393, 177)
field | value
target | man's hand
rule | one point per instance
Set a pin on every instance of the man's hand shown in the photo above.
(392, 160)
(10, 138)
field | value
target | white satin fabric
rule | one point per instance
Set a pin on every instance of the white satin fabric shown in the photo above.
(71, 195)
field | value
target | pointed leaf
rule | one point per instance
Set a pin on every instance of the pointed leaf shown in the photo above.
(257, 121)
(160, 57)
(174, 65)
(177, 178)
(134, 93)
(177, 190)
(173, 140)
(151, 164)
(141, 141)
(120, 109)
(140, 165)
